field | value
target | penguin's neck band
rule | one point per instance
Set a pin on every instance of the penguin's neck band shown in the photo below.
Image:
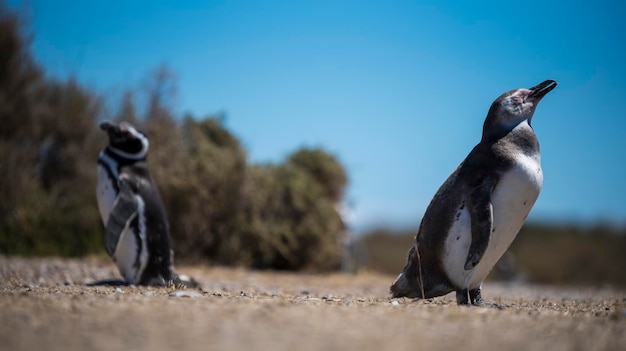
(111, 165)
(131, 156)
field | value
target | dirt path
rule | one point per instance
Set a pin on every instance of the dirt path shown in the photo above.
(45, 305)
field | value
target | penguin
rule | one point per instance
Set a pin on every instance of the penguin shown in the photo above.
(478, 211)
(136, 228)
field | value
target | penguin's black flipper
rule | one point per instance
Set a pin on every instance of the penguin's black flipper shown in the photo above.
(123, 212)
(481, 216)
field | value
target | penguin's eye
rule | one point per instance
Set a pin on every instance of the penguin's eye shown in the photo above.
(128, 134)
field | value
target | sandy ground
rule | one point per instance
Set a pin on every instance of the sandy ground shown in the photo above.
(45, 304)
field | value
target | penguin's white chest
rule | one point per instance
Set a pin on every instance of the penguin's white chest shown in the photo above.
(131, 252)
(105, 193)
(513, 197)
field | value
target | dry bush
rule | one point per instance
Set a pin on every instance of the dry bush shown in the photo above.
(18, 77)
(202, 193)
(324, 169)
(571, 255)
(47, 149)
(386, 250)
(287, 220)
(55, 211)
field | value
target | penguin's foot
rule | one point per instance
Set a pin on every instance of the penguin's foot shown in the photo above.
(185, 282)
(474, 297)
(174, 281)
(466, 297)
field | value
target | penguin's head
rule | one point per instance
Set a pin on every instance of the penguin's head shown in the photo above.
(125, 140)
(514, 107)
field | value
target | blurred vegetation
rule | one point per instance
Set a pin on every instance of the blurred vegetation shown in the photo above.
(221, 208)
(541, 253)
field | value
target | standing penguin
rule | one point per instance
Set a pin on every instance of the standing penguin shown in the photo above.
(475, 215)
(136, 227)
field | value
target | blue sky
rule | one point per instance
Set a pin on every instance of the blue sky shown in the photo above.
(397, 90)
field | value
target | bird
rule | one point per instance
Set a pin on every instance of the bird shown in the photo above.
(137, 234)
(478, 211)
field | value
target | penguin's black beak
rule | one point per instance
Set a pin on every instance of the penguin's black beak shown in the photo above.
(114, 132)
(541, 89)
(107, 126)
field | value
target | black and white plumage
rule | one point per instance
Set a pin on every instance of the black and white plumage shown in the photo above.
(475, 215)
(136, 227)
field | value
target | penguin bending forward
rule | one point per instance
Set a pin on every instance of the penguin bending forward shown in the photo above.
(136, 228)
(475, 215)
